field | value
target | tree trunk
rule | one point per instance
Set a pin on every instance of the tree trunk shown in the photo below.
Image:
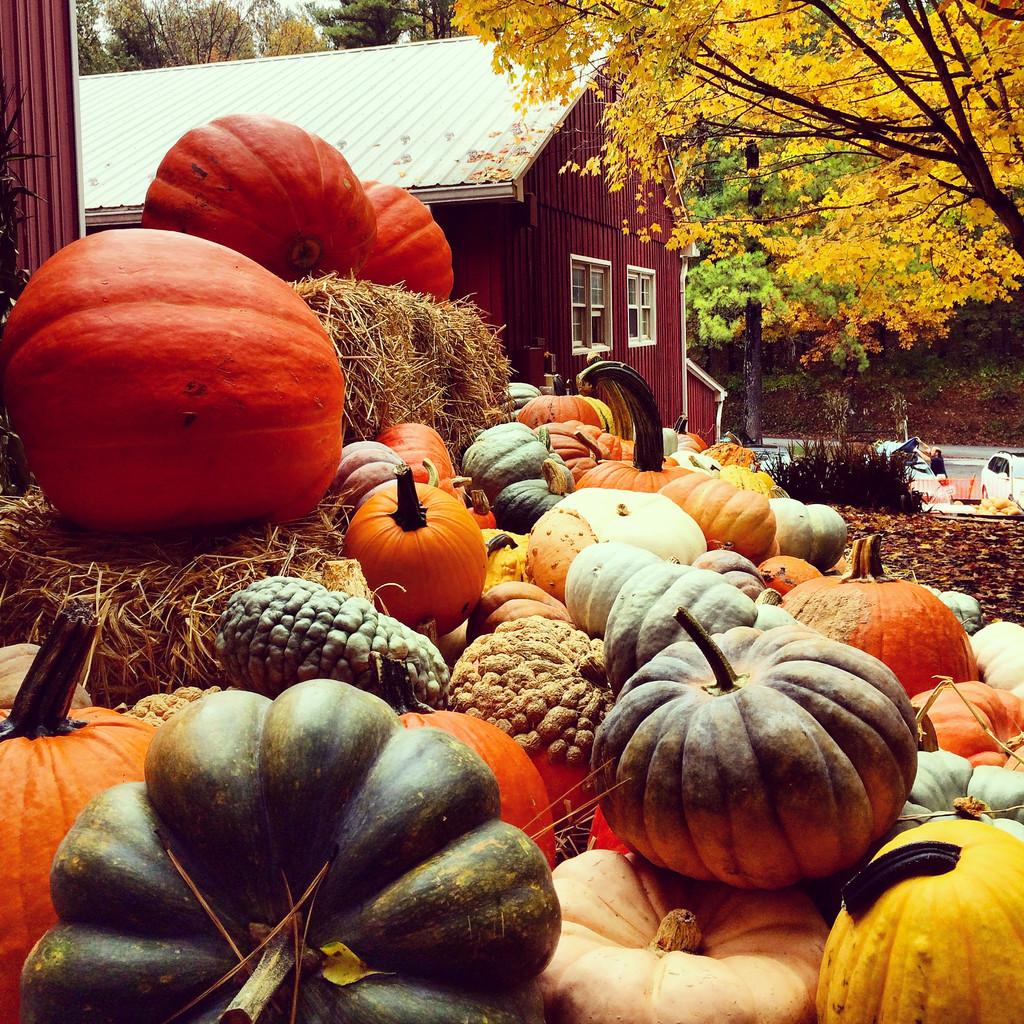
(752, 373)
(752, 335)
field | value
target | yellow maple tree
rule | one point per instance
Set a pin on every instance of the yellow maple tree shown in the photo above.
(924, 101)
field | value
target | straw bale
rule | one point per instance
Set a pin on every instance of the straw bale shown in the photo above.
(407, 358)
(158, 597)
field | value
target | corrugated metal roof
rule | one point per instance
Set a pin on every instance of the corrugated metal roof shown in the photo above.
(429, 116)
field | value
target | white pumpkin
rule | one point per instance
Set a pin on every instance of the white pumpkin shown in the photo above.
(649, 521)
(999, 651)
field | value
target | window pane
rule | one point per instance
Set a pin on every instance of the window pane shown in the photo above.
(645, 323)
(634, 322)
(646, 287)
(597, 287)
(578, 285)
(631, 289)
(596, 329)
(577, 325)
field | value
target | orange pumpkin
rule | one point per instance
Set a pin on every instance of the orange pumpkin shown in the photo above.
(900, 622)
(556, 539)
(421, 551)
(411, 247)
(729, 517)
(512, 600)
(649, 470)
(973, 719)
(269, 189)
(784, 572)
(51, 766)
(580, 445)
(558, 409)
(416, 443)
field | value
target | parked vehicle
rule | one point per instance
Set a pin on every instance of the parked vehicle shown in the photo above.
(1003, 476)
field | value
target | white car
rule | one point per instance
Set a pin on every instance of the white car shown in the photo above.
(1003, 476)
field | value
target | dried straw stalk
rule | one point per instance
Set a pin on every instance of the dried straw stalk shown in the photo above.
(158, 597)
(407, 358)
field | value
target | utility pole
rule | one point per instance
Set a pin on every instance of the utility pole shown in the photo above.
(752, 335)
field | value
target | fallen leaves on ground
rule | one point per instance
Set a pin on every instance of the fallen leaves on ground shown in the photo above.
(981, 556)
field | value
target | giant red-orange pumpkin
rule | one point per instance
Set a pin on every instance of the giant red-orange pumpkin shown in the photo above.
(51, 766)
(269, 189)
(411, 247)
(898, 621)
(161, 381)
(421, 551)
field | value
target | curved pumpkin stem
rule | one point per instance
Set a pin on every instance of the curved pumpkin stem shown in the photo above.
(557, 477)
(44, 698)
(589, 443)
(726, 680)
(499, 541)
(927, 857)
(409, 513)
(390, 681)
(635, 393)
(865, 561)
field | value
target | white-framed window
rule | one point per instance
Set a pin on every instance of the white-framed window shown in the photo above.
(591, 298)
(640, 306)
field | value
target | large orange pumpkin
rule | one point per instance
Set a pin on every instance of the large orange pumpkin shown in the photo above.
(580, 445)
(558, 409)
(649, 470)
(269, 189)
(411, 247)
(421, 551)
(898, 621)
(161, 381)
(51, 766)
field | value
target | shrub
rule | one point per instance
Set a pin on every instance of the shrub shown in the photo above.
(846, 473)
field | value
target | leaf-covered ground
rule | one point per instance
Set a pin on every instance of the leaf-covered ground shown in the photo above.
(982, 556)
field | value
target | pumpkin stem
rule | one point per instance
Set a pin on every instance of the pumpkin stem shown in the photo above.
(478, 502)
(678, 932)
(44, 698)
(589, 442)
(433, 476)
(768, 596)
(409, 513)
(557, 477)
(865, 560)
(635, 393)
(926, 857)
(277, 960)
(498, 541)
(390, 681)
(726, 680)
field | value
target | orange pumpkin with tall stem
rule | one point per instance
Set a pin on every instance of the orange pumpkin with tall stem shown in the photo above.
(421, 551)
(52, 765)
(900, 622)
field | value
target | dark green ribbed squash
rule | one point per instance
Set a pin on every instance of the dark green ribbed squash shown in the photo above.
(413, 901)
(518, 506)
(504, 454)
(283, 630)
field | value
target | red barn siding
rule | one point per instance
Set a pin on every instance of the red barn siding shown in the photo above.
(566, 214)
(702, 409)
(37, 61)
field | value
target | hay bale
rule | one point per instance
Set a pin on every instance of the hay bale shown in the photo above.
(407, 358)
(158, 598)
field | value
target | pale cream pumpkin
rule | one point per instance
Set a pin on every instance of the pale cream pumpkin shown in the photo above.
(754, 959)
